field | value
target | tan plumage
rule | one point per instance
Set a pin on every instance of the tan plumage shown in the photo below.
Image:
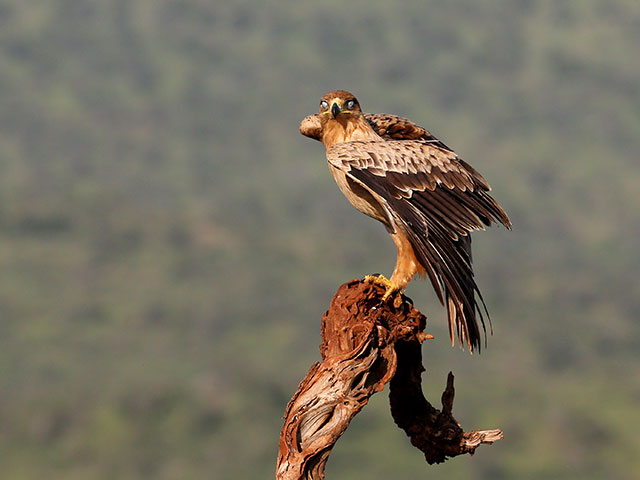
(426, 196)
(386, 125)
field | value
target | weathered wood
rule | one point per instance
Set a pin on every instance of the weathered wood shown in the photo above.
(366, 344)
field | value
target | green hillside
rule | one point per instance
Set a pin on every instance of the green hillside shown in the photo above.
(169, 242)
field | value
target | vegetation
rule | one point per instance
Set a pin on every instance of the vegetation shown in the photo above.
(168, 241)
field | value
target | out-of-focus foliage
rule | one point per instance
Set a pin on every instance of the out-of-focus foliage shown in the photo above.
(168, 241)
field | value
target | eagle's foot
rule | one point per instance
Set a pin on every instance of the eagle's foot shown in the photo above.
(390, 288)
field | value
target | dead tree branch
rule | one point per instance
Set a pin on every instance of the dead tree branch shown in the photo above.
(366, 344)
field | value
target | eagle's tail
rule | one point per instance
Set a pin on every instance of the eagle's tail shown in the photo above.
(446, 258)
(448, 266)
(464, 303)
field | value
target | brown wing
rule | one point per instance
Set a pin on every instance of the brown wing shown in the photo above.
(310, 127)
(386, 125)
(436, 199)
(400, 128)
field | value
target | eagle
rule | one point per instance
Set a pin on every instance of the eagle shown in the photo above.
(428, 199)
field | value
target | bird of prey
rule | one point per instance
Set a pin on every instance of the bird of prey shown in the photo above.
(428, 198)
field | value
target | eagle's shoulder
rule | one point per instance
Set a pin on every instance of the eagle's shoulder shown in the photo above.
(390, 127)
(408, 164)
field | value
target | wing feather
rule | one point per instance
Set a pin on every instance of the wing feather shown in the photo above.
(436, 199)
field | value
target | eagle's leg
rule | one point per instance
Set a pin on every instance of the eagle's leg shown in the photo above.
(407, 266)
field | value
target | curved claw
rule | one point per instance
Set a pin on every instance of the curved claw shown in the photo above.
(389, 287)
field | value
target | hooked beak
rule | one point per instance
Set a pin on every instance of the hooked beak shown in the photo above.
(335, 109)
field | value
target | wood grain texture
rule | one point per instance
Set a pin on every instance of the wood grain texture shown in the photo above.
(366, 344)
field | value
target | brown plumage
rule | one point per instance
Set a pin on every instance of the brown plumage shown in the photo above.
(428, 199)
(386, 125)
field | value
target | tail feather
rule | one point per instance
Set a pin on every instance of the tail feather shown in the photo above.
(448, 264)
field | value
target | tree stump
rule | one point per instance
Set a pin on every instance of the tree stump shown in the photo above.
(365, 344)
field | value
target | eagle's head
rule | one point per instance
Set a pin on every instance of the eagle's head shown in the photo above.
(341, 120)
(339, 103)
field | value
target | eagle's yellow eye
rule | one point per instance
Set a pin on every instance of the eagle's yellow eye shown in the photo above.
(324, 105)
(351, 104)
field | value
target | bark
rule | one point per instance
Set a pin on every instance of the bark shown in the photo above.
(366, 344)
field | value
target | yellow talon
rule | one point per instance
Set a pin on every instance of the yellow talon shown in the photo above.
(389, 287)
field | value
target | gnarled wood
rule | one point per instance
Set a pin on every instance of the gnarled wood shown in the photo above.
(366, 344)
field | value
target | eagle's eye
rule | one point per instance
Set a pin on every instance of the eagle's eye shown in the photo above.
(324, 105)
(350, 104)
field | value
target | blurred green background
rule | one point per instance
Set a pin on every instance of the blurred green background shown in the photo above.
(169, 242)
